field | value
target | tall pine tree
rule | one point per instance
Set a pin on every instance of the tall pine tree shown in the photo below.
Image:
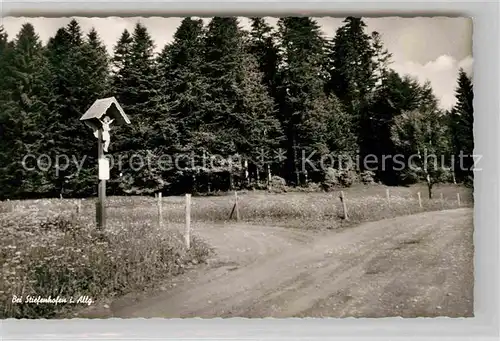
(97, 65)
(182, 91)
(352, 64)
(263, 45)
(78, 77)
(22, 115)
(258, 127)
(352, 76)
(5, 51)
(462, 122)
(302, 100)
(233, 120)
(135, 85)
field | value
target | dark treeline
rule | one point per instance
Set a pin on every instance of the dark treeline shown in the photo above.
(267, 98)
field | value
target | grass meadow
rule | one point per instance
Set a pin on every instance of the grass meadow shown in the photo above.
(51, 248)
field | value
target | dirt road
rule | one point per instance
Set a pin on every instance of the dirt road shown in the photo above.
(420, 265)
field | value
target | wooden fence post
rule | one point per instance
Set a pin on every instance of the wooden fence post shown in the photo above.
(187, 237)
(388, 195)
(344, 205)
(103, 168)
(78, 206)
(442, 200)
(458, 199)
(237, 206)
(160, 212)
(419, 200)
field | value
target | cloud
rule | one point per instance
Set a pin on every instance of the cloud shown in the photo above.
(441, 72)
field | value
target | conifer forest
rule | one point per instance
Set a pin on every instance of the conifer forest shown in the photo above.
(223, 108)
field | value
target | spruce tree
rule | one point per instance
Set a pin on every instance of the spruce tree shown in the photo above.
(263, 45)
(120, 65)
(237, 106)
(134, 80)
(135, 85)
(97, 65)
(5, 50)
(376, 117)
(223, 53)
(182, 92)
(143, 77)
(22, 115)
(182, 84)
(258, 126)
(381, 60)
(462, 122)
(78, 77)
(5, 53)
(301, 85)
(4, 40)
(352, 65)
(352, 77)
(120, 82)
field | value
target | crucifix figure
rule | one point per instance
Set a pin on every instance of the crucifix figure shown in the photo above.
(106, 122)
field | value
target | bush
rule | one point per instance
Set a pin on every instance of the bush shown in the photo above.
(258, 185)
(409, 177)
(348, 177)
(310, 187)
(277, 184)
(313, 187)
(367, 177)
(332, 179)
(62, 256)
(338, 178)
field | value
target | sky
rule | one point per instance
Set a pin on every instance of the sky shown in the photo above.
(428, 48)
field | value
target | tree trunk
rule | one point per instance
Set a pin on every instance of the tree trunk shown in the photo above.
(429, 186)
(247, 172)
(268, 177)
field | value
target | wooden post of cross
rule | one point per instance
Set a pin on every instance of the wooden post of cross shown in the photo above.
(103, 176)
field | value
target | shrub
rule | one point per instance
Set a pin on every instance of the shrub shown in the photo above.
(347, 178)
(62, 256)
(258, 185)
(313, 187)
(338, 178)
(409, 177)
(367, 177)
(332, 179)
(6, 207)
(277, 184)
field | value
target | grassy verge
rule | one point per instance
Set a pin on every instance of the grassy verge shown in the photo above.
(62, 255)
(298, 209)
